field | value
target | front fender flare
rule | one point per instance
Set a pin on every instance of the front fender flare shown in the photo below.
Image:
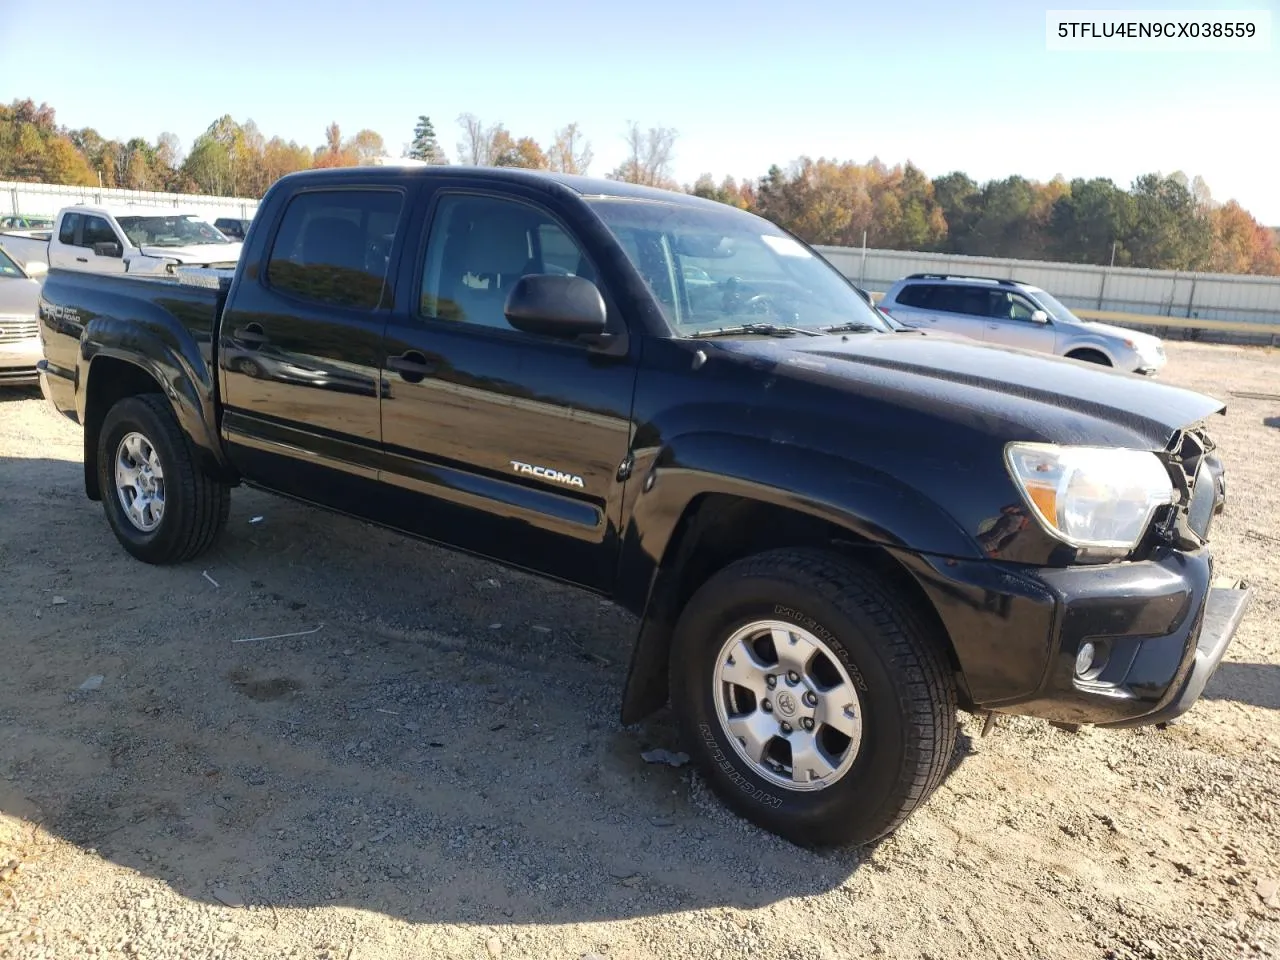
(873, 507)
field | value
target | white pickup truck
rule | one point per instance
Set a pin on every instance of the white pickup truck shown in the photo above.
(134, 240)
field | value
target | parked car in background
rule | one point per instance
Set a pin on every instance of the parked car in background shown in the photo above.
(22, 221)
(135, 240)
(1008, 313)
(233, 228)
(19, 331)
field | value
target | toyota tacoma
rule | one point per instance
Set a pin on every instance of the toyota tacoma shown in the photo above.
(835, 532)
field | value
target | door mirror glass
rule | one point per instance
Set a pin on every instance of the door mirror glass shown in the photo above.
(555, 306)
(108, 249)
(1039, 316)
(35, 269)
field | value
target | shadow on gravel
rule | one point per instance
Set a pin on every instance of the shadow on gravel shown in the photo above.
(1271, 422)
(16, 393)
(1255, 684)
(441, 745)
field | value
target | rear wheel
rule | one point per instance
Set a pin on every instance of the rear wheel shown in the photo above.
(814, 702)
(159, 504)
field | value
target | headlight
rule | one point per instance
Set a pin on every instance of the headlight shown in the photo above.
(1092, 497)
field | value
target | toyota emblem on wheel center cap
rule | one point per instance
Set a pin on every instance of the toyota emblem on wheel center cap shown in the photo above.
(787, 704)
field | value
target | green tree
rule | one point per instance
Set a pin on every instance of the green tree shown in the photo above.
(960, 200)
(1170, 230)
(1088, 220)
(425, 146)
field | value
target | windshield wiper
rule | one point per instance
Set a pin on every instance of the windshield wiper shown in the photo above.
(851, 328)
(766, 329)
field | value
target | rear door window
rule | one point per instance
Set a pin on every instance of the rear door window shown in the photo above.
(334, 246)
(918, 295)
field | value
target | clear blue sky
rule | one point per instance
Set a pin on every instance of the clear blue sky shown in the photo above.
(946, 85)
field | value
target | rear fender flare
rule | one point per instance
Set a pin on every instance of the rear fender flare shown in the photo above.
(178, 370)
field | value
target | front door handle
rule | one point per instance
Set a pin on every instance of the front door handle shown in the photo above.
(412, 366)
(82, 259)
(250, 335)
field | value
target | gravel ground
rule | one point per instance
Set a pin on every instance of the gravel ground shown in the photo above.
(436, 768)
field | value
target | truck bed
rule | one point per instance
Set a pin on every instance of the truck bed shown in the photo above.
(26, 246)
(179, 315)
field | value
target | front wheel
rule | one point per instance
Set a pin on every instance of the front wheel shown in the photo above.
(162, 508)
(814, 702)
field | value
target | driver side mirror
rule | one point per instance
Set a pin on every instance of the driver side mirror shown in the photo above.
(556, 306)
(108, 248)
(35, 269)
(1039, 317)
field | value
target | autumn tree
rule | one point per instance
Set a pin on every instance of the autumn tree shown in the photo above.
(425, 146)
(1240, 243)
(510, 152)
(650, 154)
(570, 152)
(476, 146)
(727, 191)
(34, 148)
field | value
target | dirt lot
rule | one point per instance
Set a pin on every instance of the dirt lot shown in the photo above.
(437, 770)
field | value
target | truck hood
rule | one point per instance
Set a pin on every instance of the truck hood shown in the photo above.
(1048, 397)
(198, 253)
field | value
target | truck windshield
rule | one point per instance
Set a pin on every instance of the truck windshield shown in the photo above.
(726, 269)
(175, 231)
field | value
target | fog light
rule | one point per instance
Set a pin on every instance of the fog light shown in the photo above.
(1090, 660)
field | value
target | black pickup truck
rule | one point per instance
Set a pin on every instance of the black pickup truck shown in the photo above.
(835, 531)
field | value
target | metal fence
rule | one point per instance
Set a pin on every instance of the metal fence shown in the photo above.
(1229, 299)
(46, 199)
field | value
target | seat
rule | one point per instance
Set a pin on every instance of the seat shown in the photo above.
(497, 253)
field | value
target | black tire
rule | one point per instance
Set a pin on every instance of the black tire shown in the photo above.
(195, 505)
(904, 682)
(1090, 356)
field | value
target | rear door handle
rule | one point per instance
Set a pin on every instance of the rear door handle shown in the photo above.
(251, 335)
(82, 259)
(412, 366)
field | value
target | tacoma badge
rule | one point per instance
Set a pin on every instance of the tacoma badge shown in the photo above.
(548, 474)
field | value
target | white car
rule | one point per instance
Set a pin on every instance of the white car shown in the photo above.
(1007, 313)
(134, 240)
(20, 348)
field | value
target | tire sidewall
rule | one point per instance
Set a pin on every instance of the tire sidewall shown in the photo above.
(133, 416)
(715, 612)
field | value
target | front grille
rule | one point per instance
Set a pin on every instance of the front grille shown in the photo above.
(16, 329)
(1201, 484)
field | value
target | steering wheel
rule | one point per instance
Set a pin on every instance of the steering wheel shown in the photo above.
(758, 303)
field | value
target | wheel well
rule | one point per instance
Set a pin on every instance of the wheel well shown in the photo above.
(110, 381)
(1089, 355)
(714, 531)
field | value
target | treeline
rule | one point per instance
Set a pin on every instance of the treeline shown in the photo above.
(1162, 222)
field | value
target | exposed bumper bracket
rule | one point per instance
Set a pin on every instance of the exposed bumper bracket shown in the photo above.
(1223, 612)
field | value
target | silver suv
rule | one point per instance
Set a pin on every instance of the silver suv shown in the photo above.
(1008, 313)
